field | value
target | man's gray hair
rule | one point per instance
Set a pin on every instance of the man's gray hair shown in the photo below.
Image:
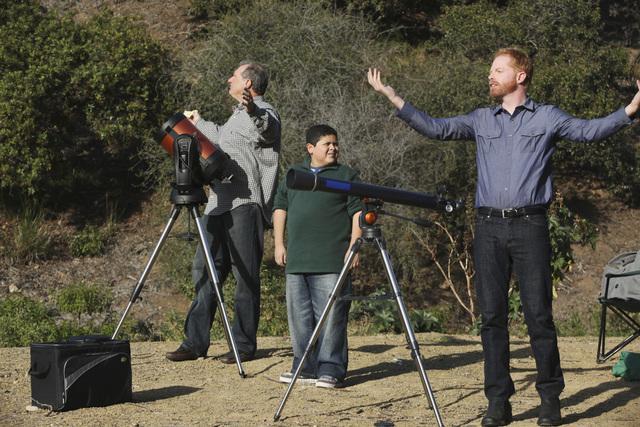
(258, 75)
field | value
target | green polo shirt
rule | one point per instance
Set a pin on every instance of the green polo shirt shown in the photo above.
(318, 223)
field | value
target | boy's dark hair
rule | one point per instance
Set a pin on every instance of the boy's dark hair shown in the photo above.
(314, 133)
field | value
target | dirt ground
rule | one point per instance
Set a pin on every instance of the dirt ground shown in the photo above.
(383, 388)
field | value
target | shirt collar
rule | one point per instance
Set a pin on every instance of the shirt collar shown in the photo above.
(528, 104)
(307, 164)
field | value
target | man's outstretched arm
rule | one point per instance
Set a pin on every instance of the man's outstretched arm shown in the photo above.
(458, 127)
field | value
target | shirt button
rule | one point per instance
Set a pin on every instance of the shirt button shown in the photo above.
(510, 136)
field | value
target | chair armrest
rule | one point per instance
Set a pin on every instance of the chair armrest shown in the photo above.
(626, 274)
(609, 276)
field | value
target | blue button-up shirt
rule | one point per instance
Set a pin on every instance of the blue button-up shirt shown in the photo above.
(514, 151)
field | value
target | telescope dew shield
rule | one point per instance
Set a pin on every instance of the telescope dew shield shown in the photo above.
(299, 180)
(212, 158)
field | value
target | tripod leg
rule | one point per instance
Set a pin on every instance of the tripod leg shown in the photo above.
(216, 286)
(175, 211)
(215, 279)
(406, 323)
(335, 293)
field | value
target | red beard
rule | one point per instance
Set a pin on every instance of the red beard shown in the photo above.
(500, 90)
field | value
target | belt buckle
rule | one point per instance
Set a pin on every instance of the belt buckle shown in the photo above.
(508, 213)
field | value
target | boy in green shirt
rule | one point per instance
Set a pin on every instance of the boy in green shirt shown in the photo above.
(321, 227)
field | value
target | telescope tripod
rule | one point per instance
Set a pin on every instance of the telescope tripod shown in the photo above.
(191, 202)
(371, 234)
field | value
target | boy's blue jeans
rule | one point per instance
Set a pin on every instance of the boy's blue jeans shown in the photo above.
(307, 296)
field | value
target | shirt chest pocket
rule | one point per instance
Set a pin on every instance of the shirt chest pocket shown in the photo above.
(530, 139)
(487, 141)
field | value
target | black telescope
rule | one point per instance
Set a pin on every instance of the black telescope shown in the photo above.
(299, 180)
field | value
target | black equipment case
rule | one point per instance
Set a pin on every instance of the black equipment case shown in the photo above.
(83, 371)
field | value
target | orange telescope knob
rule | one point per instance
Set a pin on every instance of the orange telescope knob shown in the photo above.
(370, 218)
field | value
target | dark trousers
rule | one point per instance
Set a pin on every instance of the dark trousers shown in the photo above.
(521, 245)
(236, 240)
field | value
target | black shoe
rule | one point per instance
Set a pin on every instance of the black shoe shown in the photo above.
(498, 414)
(229, 358)
(181, 354)
(550, 412)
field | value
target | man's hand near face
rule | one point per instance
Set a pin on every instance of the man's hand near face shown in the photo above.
(247, 101)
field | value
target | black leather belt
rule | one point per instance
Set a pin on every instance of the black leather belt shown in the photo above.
(512, 212)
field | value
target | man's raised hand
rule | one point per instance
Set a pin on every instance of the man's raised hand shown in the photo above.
(373, 76)
(634, 105)
(247, 101)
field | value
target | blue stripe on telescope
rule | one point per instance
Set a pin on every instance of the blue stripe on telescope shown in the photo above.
(299, 180)
(338, 185)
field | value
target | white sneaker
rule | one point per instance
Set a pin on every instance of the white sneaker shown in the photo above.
(327, 381)
(302, 378)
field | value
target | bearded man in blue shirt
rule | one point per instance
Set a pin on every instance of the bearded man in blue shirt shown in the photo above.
(515, 141)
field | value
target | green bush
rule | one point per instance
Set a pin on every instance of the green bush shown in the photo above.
(77, 99)
(424, 320)
(91, 241)
(565, 229)
(80, 299)
(380, 315)
(24, 321)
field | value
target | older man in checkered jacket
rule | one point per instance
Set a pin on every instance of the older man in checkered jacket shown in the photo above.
(236, 214)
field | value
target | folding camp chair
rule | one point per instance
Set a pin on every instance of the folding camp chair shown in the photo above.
(620, 294)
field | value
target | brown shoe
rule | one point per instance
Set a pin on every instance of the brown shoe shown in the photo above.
(229, 358)
(181, 354)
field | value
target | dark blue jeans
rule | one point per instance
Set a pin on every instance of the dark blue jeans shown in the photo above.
(236, 240)
(522, 246)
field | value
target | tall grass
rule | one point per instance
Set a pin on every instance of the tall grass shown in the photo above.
(31, 239)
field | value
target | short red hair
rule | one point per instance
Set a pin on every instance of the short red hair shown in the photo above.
(521, 61)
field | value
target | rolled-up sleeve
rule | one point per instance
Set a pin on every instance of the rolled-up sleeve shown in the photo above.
(280, 200)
